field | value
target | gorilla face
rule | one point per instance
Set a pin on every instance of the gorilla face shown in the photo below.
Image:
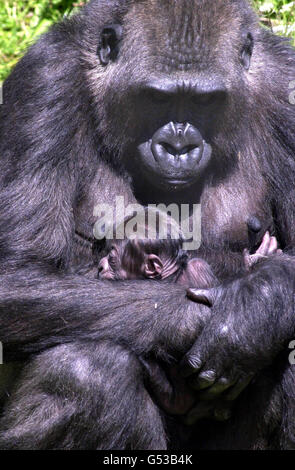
(171, 129)
(165, 109)
(176, 153)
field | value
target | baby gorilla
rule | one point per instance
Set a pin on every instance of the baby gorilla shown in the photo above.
(154, 259)
(145, 258)
(98, 395)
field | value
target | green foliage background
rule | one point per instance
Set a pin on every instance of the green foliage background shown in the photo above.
(22, 21)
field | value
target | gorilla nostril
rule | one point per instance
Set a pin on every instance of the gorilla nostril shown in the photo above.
(177, 146)
(188, 149)
(169, 148)
(176, 151)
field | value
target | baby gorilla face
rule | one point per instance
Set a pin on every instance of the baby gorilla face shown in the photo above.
(128, 260)
(116, 265)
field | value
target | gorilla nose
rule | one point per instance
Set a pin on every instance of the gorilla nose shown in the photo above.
(179, 145)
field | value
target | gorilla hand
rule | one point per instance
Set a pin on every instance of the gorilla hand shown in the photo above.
(246, 331)
(173, 395)
(213, 364)
(168, 388)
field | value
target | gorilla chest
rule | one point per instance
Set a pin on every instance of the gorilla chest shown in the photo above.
(227, 209)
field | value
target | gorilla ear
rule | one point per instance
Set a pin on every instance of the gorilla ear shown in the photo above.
(153, 266)
(108, 48)
(247, 50)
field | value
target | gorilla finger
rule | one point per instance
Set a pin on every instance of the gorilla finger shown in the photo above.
(273, 246)
(202, 410)
(190, 364)
(247, 259)
(238, 388)
(263, 248)
(156, 377)
(246, 253)
(202, 296)
(219, 387)
(203, 380)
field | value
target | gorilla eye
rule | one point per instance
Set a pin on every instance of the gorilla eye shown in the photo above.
(157, 96)
(108, 48)
(206, 98)
(247, 51)
(209, 98)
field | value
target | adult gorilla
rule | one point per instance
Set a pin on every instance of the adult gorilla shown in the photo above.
(163, 101)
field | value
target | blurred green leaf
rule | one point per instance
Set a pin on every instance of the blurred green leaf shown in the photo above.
(266, 7)
(22, 21)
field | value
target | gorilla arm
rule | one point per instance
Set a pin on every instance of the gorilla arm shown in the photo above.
(252, 321)
(145, 318)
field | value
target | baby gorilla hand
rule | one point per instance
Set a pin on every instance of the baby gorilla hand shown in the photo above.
(268, 247)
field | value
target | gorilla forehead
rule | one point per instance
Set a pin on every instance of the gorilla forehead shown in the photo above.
(185, 34)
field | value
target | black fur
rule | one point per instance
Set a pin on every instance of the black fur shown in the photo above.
(67, 136)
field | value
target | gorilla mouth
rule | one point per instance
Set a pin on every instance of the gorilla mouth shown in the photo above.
(175, 156)
(172, 170)
(178, 182)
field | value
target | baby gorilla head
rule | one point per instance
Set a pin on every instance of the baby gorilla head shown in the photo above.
(147, 256)
(144, 258)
